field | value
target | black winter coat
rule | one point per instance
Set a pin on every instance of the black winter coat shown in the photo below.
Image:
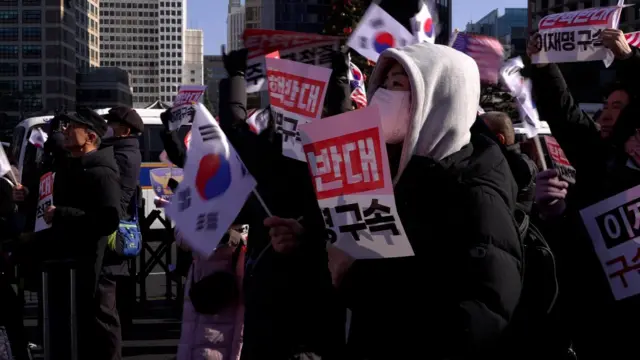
(290, 302)
(456, 296)
(86, 194)
(600, 326)
(128, 158)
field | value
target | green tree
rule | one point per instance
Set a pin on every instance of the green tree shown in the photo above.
(343, 19)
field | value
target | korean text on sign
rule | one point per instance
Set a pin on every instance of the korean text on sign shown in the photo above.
(296, 93)
(350, 172)
(559, 160)
(45, 200)
(182, 110)
(614, 227)
(576, 36)
(310, 49)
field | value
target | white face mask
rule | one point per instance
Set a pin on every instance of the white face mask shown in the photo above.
(394, 107)
(109, 133)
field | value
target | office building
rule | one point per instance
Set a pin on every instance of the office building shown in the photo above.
(145, 38)
(104, 87)
(193, 57)
(235, 25)
(253, 14)
(38, 57)
(585, 79)
(213, 72)
(509, 28)
(444, 8)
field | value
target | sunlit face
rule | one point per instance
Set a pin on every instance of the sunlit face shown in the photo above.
(76, 136)
(119, 129)
(616, 102)
(396, 79)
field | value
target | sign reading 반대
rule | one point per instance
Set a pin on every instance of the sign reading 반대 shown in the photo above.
(350, 172)
(614, 227)
(296, 93)
(576, 35)
(309, 49)
(45, 200)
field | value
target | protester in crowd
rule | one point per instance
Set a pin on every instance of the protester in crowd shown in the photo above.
(291, 307)
(11, 311)
(213, 301)
(124, 126)
(86, 198)
(600, 152)
(524, 170)
(455, 197)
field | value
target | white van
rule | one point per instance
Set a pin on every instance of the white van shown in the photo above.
(153, 182)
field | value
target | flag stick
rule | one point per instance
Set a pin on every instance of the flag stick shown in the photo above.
(264, 205)
(538, 145)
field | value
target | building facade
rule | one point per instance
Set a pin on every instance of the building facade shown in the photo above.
(193, 57)
(253, 14)
(586, 80)
(509, 28)
(38, 40)
(235, 25)
(145, 38)
(104, 87)
(444, 19)
(213, 72)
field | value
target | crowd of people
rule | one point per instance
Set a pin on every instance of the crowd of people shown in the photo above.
(279, 291)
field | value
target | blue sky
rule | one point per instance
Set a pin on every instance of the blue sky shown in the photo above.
(211, 16)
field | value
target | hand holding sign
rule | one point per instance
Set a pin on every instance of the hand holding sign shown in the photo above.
(534, 45)
(550, 193)
(339, 263)
(235, 62)
(48, 214)
(614, 40)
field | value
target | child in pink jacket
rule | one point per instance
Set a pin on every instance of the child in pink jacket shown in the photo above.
(217, 336)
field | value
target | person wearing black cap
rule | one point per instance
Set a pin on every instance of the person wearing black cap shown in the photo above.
(124, 126)
(85, 211)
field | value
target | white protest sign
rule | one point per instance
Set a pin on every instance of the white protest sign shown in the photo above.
(215, 186)
(377, 31)
(45, 200)
(182, 109)
(310, 49)
(296, 93)
(350, 172)
(520, 89)
(614, 227)
(576, 36)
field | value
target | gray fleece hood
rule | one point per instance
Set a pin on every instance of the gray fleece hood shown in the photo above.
(445, 91)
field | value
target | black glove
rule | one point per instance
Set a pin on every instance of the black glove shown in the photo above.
(339, 64)
(165, 118)
(235, 62)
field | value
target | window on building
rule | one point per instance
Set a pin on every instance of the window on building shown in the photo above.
(31, 34)
(32, 86)
(31, 16)
(9, 17)
(31, 51)
(8, 69)
(31, 69)
(8, 51)
(8, 34)
(8, 86)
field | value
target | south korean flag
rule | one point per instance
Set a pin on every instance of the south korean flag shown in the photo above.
(394, 24)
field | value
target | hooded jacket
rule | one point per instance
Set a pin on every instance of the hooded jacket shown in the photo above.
(455, 196)
(598, 324)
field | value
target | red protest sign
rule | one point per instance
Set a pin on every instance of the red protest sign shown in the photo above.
(297, 94)
(345, 165)
(555, 151)
(261, 41)
(46, 185)
(581, 18)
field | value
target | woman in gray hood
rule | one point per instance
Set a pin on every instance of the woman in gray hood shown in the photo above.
(455, 196)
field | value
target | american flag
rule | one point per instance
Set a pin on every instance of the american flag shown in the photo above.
(486, 51)
(633, 38)
(359, 97)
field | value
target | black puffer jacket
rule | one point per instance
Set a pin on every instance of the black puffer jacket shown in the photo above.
(600, 326)
(456, 296)
(86, 194)
(291, 307)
